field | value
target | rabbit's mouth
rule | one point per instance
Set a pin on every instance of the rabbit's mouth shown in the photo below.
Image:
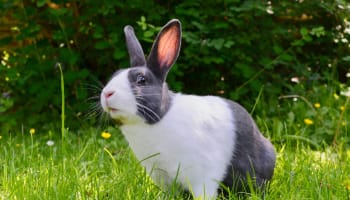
(112, 110)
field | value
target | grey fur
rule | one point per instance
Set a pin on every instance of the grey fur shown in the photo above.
(137, 57)
(254, 155)
(153, 98)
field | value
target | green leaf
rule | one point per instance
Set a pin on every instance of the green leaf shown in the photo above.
(102, 44)
(229, 44)
(305, 33)
(148, 34)
(286, 57)
(277, 49)
(346, 58)
(118, 54)
(218, 43)
(98, 32)
(318, 31)
(5, 41)
(40, 3)
(267, 63)
(59, 11)
(298, 43)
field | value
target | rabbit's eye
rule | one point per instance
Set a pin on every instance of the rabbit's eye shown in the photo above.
(140, 79)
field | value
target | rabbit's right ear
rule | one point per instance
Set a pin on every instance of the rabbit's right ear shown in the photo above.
(165, 49)
(137, 57)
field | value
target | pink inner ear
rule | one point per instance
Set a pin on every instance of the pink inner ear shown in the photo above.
(167, 47)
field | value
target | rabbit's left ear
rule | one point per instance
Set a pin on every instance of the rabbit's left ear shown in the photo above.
(137, 57)
(165, 49)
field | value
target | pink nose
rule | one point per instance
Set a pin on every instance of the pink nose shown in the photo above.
(108, 94)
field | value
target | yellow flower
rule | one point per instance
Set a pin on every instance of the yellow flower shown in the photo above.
(342, 108)
(317, 105)
(32, 131)
(7, 79)
(0, 137)
(308, 121)
(336, 96)
(347, 184)
(106, 135)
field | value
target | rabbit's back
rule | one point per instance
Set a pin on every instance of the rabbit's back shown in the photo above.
(254, 155)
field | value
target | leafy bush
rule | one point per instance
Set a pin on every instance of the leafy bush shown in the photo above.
(230, 48)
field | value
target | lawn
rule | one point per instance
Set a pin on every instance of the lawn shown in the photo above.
(92, 165)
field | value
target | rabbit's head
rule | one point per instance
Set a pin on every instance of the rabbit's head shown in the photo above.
(140, 92)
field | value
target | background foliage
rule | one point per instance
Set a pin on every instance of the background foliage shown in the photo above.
(243, 50)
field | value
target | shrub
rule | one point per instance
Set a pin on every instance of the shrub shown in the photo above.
(230, 48)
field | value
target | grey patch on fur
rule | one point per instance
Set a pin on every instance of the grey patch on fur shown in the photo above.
(253, 155)
(153, 98)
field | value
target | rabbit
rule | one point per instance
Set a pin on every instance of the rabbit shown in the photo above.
(201, 142)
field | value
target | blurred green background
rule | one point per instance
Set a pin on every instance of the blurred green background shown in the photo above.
(286, 61)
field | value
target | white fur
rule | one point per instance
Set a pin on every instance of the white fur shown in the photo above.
(193, 142)
(122, 99)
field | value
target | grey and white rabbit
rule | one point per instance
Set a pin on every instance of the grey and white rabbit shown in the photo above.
(203, 142)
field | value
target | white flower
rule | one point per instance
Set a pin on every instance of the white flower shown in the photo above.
(50, 143)
(345, 92)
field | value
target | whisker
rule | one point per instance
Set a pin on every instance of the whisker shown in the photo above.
(150, 111)
(94, 110)
(104, 120)
(92, 87)
(141, 98)
(93, 98)
(147, 94)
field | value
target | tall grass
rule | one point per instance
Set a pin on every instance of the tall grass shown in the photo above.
(63, 107)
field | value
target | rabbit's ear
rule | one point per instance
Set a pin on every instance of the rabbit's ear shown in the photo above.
(137, 57)
(165, 49)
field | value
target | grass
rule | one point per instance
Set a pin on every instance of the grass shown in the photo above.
(89, 167)
(92, 167)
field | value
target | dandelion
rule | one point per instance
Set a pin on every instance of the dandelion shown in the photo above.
(317, 105)
(7, 79)
(342, 108)
(308, 121)
(32, 131)
(106, 135)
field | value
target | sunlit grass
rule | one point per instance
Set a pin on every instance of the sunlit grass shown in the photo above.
(93, 167)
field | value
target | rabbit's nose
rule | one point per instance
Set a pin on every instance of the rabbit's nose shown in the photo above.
(108, 94)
